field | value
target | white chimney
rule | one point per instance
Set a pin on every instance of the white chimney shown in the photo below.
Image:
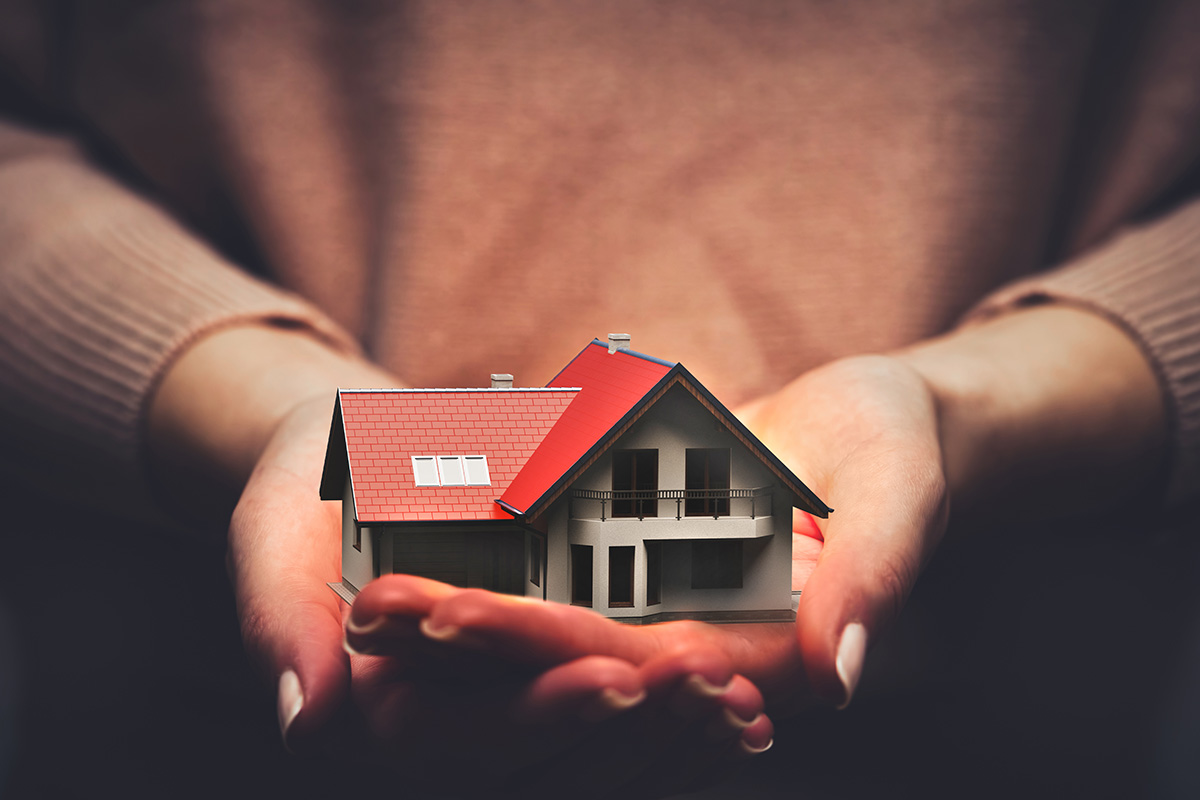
(501, 380)
(617, 341)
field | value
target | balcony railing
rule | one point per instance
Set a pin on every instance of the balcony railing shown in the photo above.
(630, 503)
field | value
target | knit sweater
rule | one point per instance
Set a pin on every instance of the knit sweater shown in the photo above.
(462, 188)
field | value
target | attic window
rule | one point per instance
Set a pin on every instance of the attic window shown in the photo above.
(425, 471)
(477, 471)
(451, 471)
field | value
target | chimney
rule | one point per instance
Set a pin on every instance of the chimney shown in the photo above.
(617, 341)
(501, 380)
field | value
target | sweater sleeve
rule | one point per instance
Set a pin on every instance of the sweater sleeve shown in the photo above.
(1145, 279)
(100, 291)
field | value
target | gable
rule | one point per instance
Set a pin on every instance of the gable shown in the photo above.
(677, 375)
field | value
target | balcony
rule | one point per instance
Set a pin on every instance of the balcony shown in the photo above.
(689, 503)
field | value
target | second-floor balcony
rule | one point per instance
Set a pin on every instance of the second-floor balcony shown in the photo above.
(681, 503)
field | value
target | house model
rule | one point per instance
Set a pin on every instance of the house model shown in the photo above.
(623, 485)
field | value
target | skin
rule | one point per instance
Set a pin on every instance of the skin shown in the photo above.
(1042, 411)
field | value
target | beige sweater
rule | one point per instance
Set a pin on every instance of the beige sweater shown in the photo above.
(471, 187)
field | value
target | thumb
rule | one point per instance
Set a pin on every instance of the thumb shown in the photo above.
(889, 520)
(283, 551)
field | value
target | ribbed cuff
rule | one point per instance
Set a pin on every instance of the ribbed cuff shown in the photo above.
(1147, 280)
(100, 292)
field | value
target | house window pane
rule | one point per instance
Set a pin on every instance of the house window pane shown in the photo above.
(653, 573)
(635, 477)
(620, 577)
(581, 575)
(535, 560)
(451, 470)
(706, 477)
(717, 564)
(477, 471)
(425, 471)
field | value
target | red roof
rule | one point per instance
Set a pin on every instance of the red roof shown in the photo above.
(533, 438)
(385, 429)
(611, 383)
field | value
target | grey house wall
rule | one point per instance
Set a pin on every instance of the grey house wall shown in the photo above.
(676, 423)
(358, 565)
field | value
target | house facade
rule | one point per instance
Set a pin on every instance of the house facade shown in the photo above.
(624, 486)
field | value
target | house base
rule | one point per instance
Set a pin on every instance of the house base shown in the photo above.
(716, 617)
(345, 590)
(348, 591)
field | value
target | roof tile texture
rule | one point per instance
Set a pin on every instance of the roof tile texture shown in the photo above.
(384, 430)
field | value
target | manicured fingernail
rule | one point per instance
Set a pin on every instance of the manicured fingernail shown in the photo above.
(726, 725)
(608, 704)
(751, 750)
(850, 653)
(694, 697)
(444, 633)
(366, 628)
(291, 700)
(356, 651)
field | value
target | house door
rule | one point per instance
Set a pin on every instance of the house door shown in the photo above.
(706, 478)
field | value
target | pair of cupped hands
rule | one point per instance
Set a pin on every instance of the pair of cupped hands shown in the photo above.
(465, 689)
(1048, 410)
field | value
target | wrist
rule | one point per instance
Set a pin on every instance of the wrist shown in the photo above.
(1047, 410)
(220, 400)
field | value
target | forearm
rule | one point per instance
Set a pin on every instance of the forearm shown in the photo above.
(219, 402)
(1044, 411)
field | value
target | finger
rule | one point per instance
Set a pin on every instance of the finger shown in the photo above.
(291, 622)
(532, 631)
(688, 728)
(386, 615)
(889, 521)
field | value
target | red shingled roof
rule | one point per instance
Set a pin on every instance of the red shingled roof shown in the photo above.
(611, 383)
(384, 429)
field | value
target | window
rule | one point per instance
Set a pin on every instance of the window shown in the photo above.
(717, 564)
(477, 471)
(450, 468)
(451, 471)
(358, 537)
(581, 575)
(706, 479)
(535, 560)
(425, 471)
(635, 474)
(653, 573)
(620, 577)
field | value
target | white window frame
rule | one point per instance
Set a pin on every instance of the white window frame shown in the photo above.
(482, 476)
(429, 461)
(478, 474)
(451, 462)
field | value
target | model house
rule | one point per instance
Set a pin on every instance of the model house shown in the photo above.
(623, 485)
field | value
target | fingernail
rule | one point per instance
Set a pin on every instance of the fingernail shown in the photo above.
(694, 697)
(356, 651)
(366, 628)
(445, 633)
(291, 700)
(751, 750)
(698, 685)
(850, 653)
(727, 725)
(608, 704)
